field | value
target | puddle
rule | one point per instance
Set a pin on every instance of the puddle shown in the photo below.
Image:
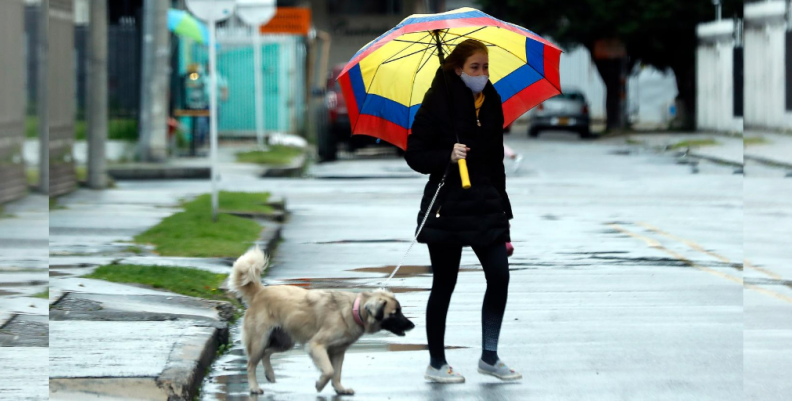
(416, 347)
(342, 284)
(409, 271)
(665, 262)
(53, 273)
(403, 271)
(363, 241)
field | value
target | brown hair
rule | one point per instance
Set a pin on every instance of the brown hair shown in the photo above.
(461, 53)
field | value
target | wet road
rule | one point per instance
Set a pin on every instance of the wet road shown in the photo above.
(626, 282)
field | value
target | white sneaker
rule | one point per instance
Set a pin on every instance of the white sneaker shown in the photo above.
(445, 374)
(499, 370)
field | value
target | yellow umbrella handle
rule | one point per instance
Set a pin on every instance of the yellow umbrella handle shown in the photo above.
(463, 172)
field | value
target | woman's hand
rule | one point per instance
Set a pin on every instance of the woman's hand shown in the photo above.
(459, 152)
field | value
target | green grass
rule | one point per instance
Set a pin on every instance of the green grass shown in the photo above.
(181, 280)
(32, 177)
(193, 233)
(53, 204)
(694, 143)
(42, 295)
(117, 128)
(631, 141)
(276, 155)
(757, 140)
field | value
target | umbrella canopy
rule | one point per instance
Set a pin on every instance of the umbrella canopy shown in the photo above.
(183, 24)
(385, 82)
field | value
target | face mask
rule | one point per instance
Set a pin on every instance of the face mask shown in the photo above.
(476, 84)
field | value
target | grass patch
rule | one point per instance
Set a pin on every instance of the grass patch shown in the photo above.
(193, 233)
(631, 141)
(53, 204)
(694, 143)
(278, 155)
(181, 280)
(124, 129)
(135, 249)
(757, 140)
(42, 295)
(3, 214)
(32, 177)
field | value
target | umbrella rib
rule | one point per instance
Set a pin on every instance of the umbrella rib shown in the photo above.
(406, 55)
(388, 60)
(412, 84)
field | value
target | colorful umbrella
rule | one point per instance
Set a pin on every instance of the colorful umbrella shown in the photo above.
(183, 24)
(386, 80)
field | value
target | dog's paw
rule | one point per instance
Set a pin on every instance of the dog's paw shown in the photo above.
(270, 376)
(256, 391)
(345, 391)
(321, 383)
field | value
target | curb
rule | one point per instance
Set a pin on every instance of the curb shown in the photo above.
(188, 363)
(157, 172)
(717, 160)
(769, 162)
(295, 169)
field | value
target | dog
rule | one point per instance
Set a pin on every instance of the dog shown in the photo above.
(326, 322)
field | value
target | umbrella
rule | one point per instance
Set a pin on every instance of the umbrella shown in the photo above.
(183, 24)
(384, 83)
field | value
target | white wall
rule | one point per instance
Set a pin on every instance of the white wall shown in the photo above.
(715, 78)
(765, 30)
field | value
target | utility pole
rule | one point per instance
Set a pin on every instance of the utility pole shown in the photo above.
(152, 127)
(42, 96)
(97, 94)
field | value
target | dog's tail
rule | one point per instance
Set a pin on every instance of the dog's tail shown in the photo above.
(245, 278)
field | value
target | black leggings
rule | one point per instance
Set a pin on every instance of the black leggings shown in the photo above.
(445, 268)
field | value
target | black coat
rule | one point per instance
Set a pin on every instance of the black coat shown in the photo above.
(477, 216)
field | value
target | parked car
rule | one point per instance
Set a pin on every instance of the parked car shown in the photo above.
(339, 130)
(568, 112)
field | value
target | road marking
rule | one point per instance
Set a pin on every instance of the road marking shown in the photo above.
(772, 274)
(769, 292)
(654, 244)
(700, 248)
(685, 241)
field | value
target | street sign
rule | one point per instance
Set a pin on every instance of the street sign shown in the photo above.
(211, 10)
(255, 12)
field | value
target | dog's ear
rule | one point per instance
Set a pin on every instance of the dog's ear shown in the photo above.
(376, 307)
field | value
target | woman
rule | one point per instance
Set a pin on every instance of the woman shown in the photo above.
(463, 104)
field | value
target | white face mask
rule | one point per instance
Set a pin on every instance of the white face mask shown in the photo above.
(476, 84)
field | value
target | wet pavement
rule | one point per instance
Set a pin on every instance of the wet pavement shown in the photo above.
(24, 326)
(626, 282)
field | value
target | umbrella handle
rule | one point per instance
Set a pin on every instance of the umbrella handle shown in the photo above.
(463, 172)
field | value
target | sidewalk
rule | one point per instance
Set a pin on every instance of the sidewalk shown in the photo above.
(154, 344)
(23, 319)
(768, 148)
(776, 149)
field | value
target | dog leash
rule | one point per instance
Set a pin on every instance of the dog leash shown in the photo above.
(417, 233)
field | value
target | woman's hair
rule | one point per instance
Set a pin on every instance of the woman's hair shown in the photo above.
(461, 53)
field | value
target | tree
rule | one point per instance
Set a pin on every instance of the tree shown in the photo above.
(660, 33)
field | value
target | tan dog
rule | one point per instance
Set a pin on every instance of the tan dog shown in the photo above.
(327, 322)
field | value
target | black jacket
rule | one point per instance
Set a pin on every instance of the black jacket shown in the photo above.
(477, 216)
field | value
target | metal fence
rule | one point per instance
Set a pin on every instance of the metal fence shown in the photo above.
(283, 76)
(123, 86)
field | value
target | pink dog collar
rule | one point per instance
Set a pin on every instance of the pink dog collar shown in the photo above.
(356, 311)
